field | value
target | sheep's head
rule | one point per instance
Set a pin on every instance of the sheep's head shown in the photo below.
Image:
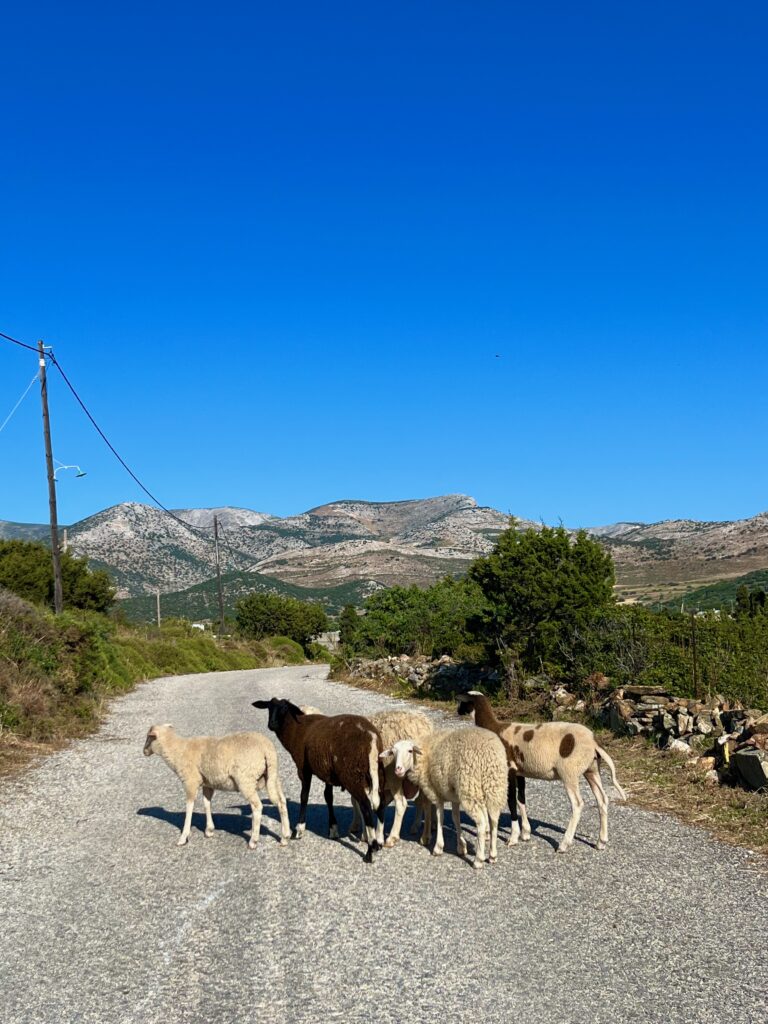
(466, 703)
(156, 732)
(279, 709)
(404, 753)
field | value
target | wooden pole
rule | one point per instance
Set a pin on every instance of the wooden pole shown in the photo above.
(157, 594)
(58, 593)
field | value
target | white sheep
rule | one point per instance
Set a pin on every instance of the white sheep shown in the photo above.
(549, 750)
(463, 767)
(394, 725)
(243, 761)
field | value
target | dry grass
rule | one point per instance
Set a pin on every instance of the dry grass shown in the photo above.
(655, 780)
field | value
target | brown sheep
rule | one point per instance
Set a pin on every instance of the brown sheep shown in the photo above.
(342, 750)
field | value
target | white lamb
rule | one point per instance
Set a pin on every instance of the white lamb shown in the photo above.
(394, 725)
(243, 761)
(463, 767)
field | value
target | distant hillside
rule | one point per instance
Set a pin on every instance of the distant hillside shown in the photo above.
(361, 544)
(719, 595)
(202, 601)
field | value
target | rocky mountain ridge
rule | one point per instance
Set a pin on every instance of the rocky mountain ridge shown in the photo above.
(383, 543)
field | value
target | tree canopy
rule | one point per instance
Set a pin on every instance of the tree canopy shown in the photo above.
(26, 569)
(262, 614)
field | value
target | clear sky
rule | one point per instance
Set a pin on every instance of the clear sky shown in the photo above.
(290, 253)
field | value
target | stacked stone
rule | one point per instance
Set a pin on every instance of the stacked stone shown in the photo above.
(431, 677)
(739, 735)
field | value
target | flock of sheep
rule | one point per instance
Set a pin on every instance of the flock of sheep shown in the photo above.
(394, 756)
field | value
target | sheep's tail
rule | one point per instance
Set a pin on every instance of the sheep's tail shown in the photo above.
(373, 766)
(270, 769)
(603, 755)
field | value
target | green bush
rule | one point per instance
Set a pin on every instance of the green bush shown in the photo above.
(26, 570)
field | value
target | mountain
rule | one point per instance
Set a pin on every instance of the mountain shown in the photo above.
(664, 561)
(349, 548)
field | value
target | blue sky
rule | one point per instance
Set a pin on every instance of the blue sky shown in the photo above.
(293, 253)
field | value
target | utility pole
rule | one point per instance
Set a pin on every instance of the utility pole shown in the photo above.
(695, 660)
(157, 594)
(58, 594)
(218, 574)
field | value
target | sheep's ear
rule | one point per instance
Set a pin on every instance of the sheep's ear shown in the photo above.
(416, 750)
(264, 704)
(386, 753)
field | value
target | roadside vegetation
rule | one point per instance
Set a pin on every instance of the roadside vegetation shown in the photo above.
(58, 672)
(541, 604)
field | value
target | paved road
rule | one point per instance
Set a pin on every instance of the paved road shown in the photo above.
(105, 920)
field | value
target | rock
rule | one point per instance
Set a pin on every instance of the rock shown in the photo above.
(752, 766)
(562, 697)
(678, 747)
(706, 764)
(712, 778)
(634, 728)
(684, 724)
(643, 691)
(703, 724)
(665, 722)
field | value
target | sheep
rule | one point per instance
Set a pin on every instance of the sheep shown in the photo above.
(467, 768)
(242, 761)
(396, 725)
(549, 750)
(342, 750)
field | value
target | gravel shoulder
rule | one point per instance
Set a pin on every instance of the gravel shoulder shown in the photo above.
(105, 920)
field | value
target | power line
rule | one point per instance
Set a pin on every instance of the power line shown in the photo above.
(15, 341)
(13, 410)
(119, 458)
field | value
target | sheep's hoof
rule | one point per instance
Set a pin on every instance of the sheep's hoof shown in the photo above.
(368, 858)
(296, 834)
(526, 836)
(182, 841)
(462, 850)
(602, 845)
(283, 840)
(563, 848)
(333, 832)
(392, 841)
(209, 832)
(477, 864)
(437, 852)
(253, 844)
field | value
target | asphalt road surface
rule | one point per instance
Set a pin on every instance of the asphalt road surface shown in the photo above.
(103, 919)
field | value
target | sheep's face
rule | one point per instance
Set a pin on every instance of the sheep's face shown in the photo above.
(149, 742)
(404, 753)
(279, 709)
(156, 733)
(466, 706)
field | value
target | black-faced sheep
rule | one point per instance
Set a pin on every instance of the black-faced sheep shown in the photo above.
(342, 750)
(243, 761)
(466, 768)
(550, 750)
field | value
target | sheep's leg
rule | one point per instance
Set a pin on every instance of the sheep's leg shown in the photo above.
(257, 807)
(426, 831)
(357, 823)
(522, 811)
(277, 796)
(301, 824)
(370, 828)
(439, 841)
(461, 843)
(482, 824)
(401, 805)
(592, 775)
(572, 789)
(418, 817)
(514, 834)
(184, 837)
(333, 828)
(207, 797)
(493, 853)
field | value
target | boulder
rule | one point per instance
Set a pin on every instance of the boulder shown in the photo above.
(752, 766)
